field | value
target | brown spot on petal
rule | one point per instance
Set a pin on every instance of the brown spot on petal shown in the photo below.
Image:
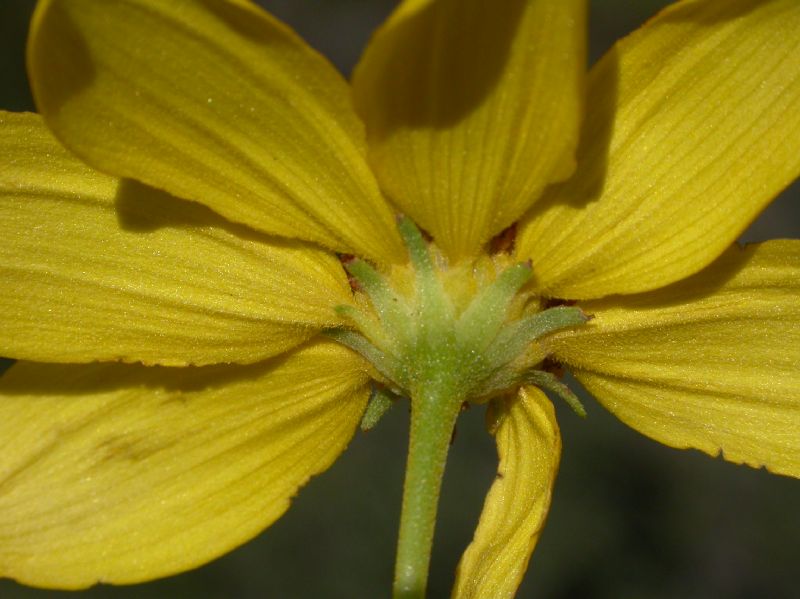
(503, 242)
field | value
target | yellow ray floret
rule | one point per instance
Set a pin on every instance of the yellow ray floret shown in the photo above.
(692, 128)
(230, 108)
(118, 473)
(472, 107)
(529, 445)
(95, 268)
(712, 362)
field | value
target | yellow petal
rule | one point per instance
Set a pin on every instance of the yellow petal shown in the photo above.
(712, 362)
(122, 473)
(693, 126)
(472, 107)
(98, 269)
(215, 102)
(529, 445)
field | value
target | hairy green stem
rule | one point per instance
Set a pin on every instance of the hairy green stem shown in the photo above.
(433, 416)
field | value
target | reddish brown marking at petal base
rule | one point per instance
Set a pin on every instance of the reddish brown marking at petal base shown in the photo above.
(550, 365)
(554, 302)
(352, 281)
(504, 241)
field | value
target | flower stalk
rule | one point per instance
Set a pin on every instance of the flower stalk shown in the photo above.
(433, 417)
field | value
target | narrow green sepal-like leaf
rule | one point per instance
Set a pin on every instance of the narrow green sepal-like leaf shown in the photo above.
(513, 339)
(501, 380)
(417, 248)
(379, 403)
(483, 318)
(550, 320)
(368, 326)
(549, 382)
(392, 308)
(369, 278)
(361, 345)
(433, 300)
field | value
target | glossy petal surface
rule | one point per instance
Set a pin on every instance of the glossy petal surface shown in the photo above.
(693, 126)
(472, 107)
(529, 446)
(95, 268)
(122, 473)
(712, 362)
(213, 101)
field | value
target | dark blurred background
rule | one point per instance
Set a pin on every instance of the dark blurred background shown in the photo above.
(631, 519)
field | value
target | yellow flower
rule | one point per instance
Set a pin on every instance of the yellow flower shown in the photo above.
(467, 119)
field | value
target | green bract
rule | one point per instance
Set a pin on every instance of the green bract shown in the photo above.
(422, 341)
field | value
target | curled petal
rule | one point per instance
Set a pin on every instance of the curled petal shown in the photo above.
(529, 446)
